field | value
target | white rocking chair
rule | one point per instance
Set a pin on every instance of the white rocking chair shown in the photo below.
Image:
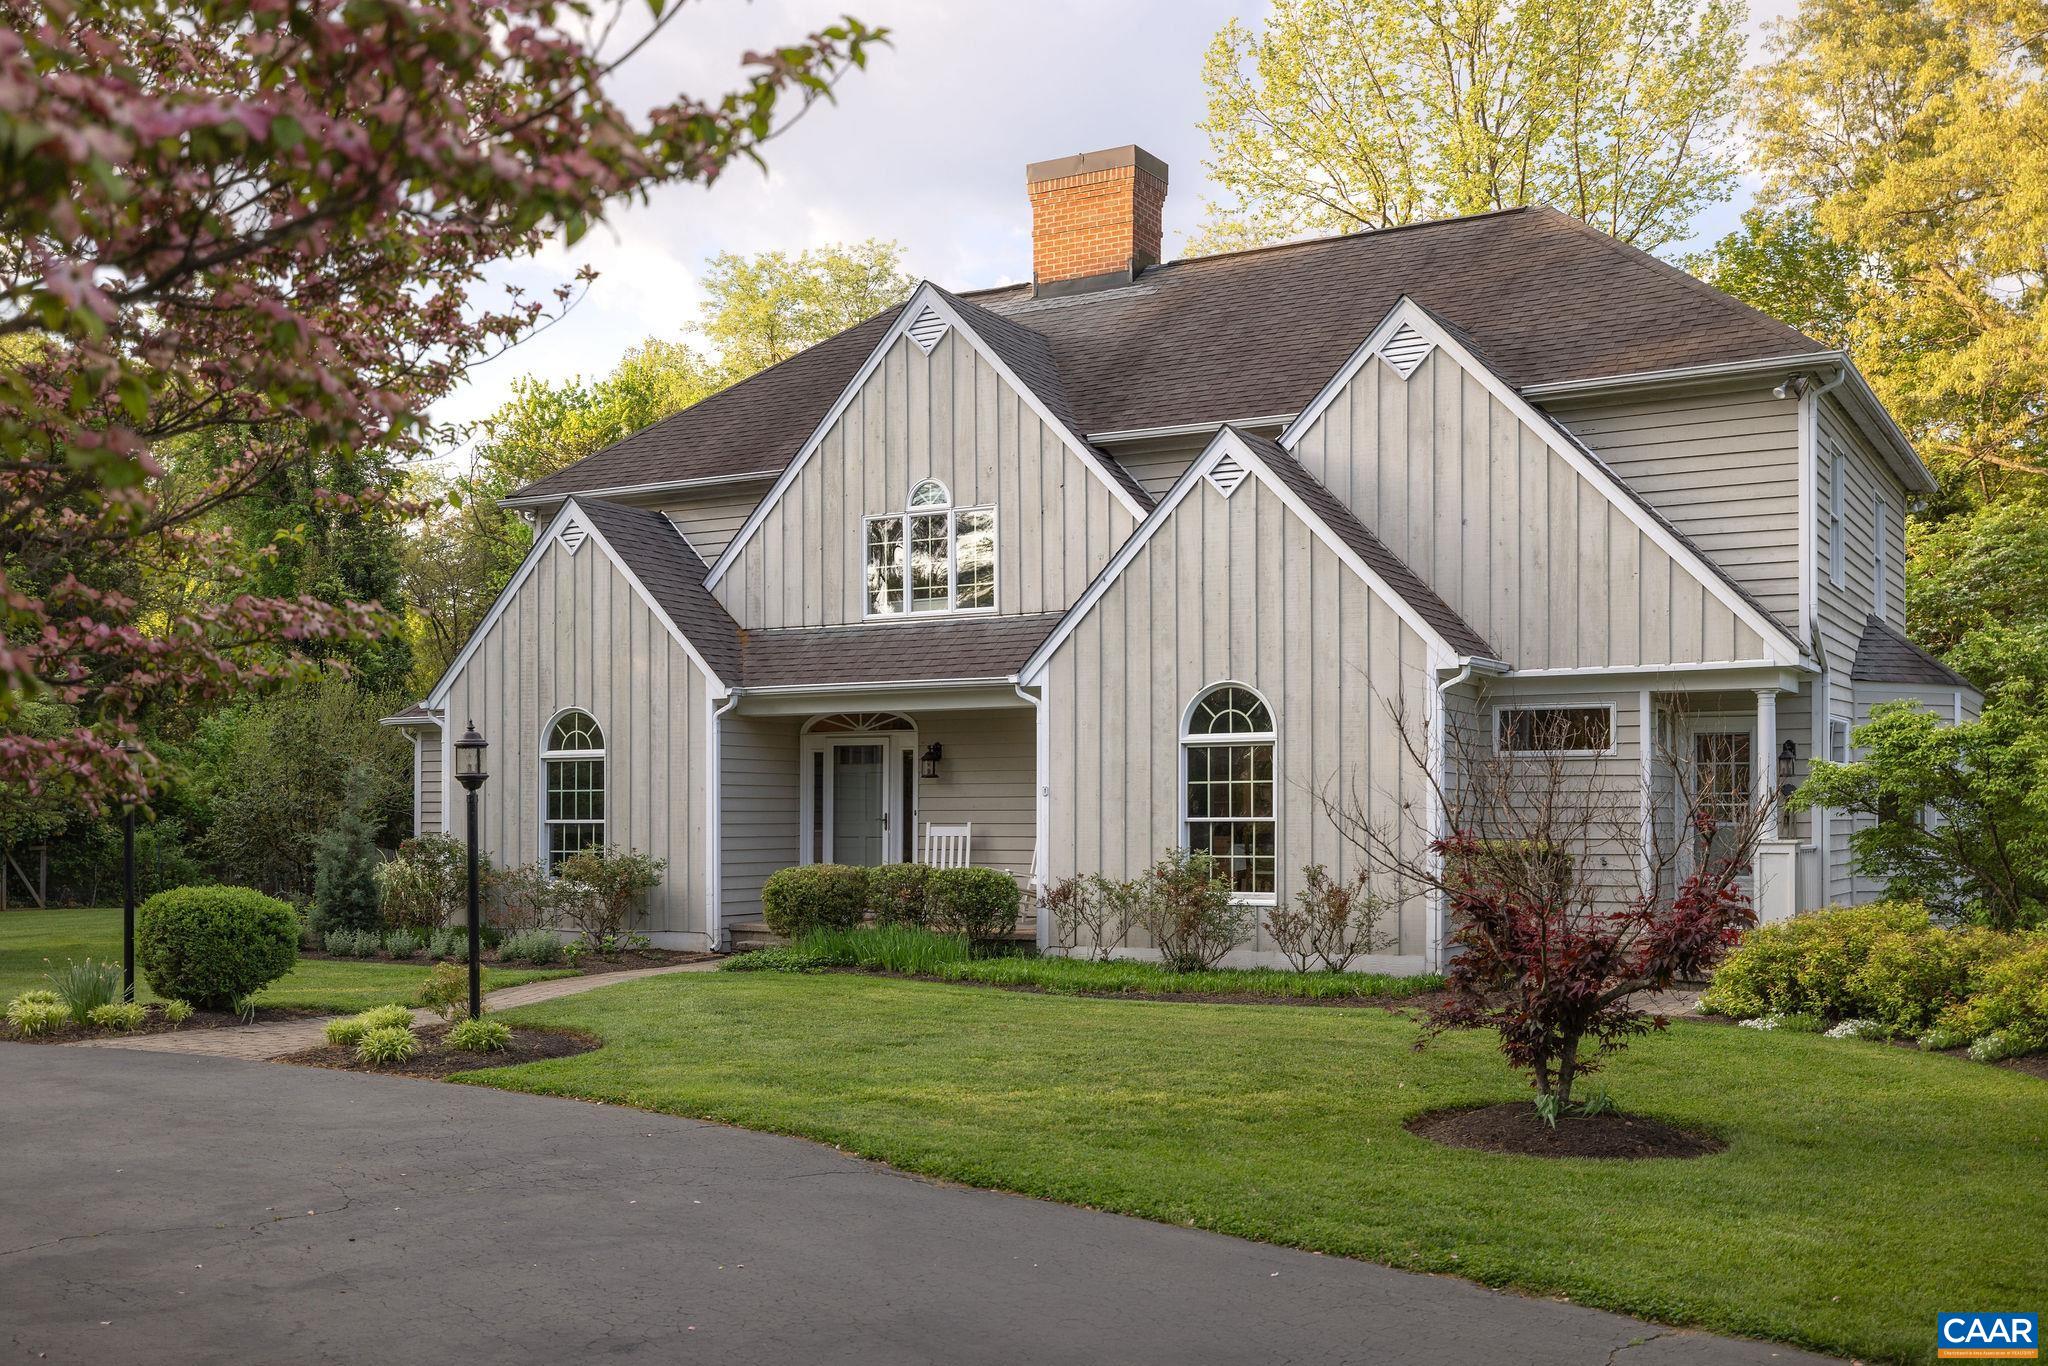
(948, 846)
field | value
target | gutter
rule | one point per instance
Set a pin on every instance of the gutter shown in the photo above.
(517, 501)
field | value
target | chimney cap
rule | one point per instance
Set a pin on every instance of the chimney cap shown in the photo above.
(1109, 158)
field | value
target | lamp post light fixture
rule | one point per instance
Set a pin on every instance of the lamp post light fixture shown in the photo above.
(469, 771)
(131, 749)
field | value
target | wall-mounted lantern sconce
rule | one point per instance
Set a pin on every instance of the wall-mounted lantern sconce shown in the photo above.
(1788, 754)
(929, 760)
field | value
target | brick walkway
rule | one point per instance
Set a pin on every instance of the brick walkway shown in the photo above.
(259, 1043)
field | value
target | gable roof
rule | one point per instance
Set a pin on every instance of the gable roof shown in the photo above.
(930, 299)
(657, 555)
(1410, 316)
(1255, 334)
(1884, 655)
(1412, 600)
(1369, 548)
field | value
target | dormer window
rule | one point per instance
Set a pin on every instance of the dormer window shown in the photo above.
(932, 557)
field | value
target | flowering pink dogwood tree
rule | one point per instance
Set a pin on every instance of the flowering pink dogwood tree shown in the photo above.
(233, 232)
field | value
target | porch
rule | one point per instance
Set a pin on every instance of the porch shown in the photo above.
(807, 776)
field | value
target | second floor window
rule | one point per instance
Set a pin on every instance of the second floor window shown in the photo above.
(931, 557)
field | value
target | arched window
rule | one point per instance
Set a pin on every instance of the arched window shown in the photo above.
(931, 557)
(572, 774)
(1228, 799)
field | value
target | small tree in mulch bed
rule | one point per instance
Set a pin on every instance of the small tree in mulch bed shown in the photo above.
(1570, 893)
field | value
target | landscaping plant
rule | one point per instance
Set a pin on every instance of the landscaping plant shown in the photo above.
(404, 943)
(1886, 962)
(352, 1029)
(84, 987)
(480, 1036)
(814, 896)
(897, 893)
(177, 1012)
(603, 889)
(214, 946)
(1190, 911)
(1564, 904)
(885, 948)
(978, 904)
(36, 1013)
(539, 947)
(446, 991)
(425, 885)
(1092, 913)
(116, 1015)
(1330, 922)
(527, 898)
(387, 1044)
(345, 893)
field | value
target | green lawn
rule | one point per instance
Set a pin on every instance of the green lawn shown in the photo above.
(33, 942)
(1864, 1188)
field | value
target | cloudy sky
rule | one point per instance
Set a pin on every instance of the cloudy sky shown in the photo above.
(927, 147)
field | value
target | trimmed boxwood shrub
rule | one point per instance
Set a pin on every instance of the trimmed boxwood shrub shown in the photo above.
(828, 896)
(978, 903)
(213, 946)
(896, 893)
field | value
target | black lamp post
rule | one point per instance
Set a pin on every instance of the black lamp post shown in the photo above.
(131, 749)
(469, 771)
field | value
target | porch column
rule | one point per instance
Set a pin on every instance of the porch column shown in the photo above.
(1764, 763)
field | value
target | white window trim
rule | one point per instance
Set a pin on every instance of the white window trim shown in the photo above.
(600, 754)
(1188, 739)
(1838, 522)
(952, 512)
(1880, 558)
(1613, 731)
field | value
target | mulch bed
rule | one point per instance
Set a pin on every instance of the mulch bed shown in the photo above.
(588, 965)
(1516, 1128)
(434, 1060)
(156, 1024)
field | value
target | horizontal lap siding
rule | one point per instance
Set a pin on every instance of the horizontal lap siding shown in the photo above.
(576, 634)
(1844, 610)
(1722, 467)
(948, 416)
(1234, 589)
(985, 779)
(709, 518)
(758, 823)
(1542, 561)
(429, 784)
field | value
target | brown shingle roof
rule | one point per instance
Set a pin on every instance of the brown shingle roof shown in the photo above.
(1256, 334)
(674, 576)
(1883, 655)
(895, 652)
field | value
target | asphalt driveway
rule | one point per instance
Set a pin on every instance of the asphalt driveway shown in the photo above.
(192, 1209)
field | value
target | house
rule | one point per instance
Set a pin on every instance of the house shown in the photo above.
(1145, 554)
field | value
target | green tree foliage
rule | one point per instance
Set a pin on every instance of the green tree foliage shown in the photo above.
(279, 772)
(1780, 264)
(1982, 567)
(1338, 115)
(346, 895)
(1961, 811)
(1915, 133)
(761, 310)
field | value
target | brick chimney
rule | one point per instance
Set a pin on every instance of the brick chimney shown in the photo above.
(1095, 218)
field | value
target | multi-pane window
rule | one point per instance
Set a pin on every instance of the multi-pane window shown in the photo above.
(1881, 561)
(933, 557)
(1229, 811)
(1555, 730)
(1723, 770)
(572, 772)
(1838, 568)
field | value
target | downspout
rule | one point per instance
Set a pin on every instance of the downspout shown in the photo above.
(1041, 814)
(714, 824)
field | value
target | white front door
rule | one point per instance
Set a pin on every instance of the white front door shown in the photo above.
(858, 795)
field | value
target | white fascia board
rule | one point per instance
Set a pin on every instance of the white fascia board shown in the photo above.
(925, 296)
(1188, 429)
(438, 698)
(1406, 312)
(635, 490)
(1229, 443)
